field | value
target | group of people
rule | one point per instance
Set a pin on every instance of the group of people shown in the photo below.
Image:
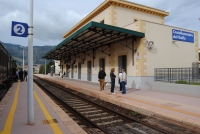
(22, 75)
(121, 76)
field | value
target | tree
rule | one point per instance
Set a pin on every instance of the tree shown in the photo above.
(48, 68)
(41, 70)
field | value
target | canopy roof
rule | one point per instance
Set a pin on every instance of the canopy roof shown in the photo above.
(90, 36)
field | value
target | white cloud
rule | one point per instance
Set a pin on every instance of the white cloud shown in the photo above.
(53, 26)
(54, 18)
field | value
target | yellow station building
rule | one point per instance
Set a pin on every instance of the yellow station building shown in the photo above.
(122, 34)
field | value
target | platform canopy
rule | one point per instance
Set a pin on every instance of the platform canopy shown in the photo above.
(90, 37)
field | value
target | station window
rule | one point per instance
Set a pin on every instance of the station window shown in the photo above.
(102, 63)
(102, 21)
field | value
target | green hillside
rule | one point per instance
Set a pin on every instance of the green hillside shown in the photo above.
(17, 53)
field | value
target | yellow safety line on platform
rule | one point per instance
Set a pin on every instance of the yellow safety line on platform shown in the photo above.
(8, 126)
(54, 126)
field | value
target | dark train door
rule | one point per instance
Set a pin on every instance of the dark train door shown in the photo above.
(67, 70)
(79, 70)
(89, 71)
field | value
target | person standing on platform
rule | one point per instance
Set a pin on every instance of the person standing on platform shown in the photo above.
(21, 75)
(123, 82)
(17, 75)
(120, 80)
(25, 75)
(101, 77)
(112, 77)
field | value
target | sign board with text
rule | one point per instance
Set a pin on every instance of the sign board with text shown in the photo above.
(182, 36)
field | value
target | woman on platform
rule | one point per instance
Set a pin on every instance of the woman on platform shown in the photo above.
(112, 77)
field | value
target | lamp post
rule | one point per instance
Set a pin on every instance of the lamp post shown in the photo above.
(30, 68)
(23, 63)
(23, 47)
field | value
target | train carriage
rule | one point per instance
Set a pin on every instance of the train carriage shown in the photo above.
(7, 66)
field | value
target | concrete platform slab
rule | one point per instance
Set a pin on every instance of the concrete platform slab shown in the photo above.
(13, 117)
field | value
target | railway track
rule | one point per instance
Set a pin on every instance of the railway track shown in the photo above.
(98, 117)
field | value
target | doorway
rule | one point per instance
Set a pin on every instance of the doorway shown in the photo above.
(79, 70)
(72, 73)
(102, 64)
(67, 70)
(89, 71)
(122, 63)
(62, 68)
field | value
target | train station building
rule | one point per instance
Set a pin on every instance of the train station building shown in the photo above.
(121, 34)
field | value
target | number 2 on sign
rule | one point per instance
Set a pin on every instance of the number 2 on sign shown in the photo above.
(19, 29)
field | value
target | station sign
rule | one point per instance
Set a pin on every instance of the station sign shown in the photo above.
(182, 36)
(19, 29)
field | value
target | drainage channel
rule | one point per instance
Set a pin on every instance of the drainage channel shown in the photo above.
(94, 117)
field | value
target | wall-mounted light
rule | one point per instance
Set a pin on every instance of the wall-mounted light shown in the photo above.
(150, 44)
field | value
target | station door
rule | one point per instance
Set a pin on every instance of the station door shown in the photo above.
(72, 73)
(89, 71)
(102, 64)
(122, 64)
(79, 70)
(62, 69)
(67, 70)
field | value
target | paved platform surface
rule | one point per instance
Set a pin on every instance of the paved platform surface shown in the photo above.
(13, 114)
(180, 108)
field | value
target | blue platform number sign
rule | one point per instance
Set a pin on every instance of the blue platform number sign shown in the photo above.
(19, 29)
(182, 36)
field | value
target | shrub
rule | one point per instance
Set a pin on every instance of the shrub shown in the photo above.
(181, 82)
(194, 83)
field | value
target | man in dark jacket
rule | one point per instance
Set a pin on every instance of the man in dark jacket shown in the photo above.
(25, 75)
(21, 75)
(101, 77)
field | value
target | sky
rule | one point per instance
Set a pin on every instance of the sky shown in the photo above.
(53, 18)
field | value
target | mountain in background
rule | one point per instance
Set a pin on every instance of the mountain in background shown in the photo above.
(16, 51)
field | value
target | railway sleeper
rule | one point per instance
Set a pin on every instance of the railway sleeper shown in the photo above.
(140, 128)
(94, 115)
(89, 106)
(102, 118)
(90, 112)
(79, 105)
(86, 109)
(121, 129)
(110, 122)
(75, 102)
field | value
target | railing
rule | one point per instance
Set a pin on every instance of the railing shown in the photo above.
(178, 75)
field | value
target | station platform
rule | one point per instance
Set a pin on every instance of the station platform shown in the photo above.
(48, 117)
(184, 109)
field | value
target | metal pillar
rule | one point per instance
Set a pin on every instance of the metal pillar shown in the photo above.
(23, 62)
(30, 67)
